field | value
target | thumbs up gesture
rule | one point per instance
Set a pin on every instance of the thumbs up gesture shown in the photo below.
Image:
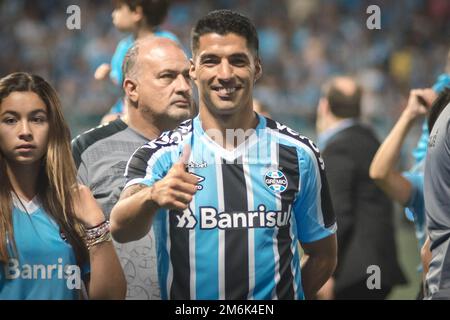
(177, 188)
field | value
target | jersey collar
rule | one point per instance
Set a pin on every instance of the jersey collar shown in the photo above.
(26, 206)
(229, 155)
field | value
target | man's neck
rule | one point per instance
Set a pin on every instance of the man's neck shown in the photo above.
(142, 126)
(244, 121)
(334, 122)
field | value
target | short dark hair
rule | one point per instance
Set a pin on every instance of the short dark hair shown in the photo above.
(155, 11)
(343, 105)
(223, 22)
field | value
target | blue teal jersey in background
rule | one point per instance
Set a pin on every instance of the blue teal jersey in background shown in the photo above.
(45, 267)
(415, 207)
(239, 237)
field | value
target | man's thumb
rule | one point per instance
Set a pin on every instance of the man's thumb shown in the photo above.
(184, 158)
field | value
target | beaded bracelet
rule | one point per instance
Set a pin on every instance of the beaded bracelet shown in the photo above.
(106, 237)
(97, 234)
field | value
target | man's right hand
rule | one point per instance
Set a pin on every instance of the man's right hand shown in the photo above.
(132, 216)
(177, 188)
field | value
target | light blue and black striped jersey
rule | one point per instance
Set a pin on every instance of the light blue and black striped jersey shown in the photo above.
(238, 238)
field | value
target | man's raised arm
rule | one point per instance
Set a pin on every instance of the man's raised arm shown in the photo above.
(132, 216)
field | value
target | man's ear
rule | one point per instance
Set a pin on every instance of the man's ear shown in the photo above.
(324, 107)
(192, 69)
(130, 88)
(321, 116)
(258, 69)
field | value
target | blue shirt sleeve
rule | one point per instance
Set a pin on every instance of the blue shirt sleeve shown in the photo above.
(143, 168)
(420, 151)
(152, 161)
(308, 205)
(415, 207)
(416, 201)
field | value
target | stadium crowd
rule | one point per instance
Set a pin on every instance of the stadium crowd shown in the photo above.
(302, 43)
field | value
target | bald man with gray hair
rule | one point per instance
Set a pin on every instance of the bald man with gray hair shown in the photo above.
(158, 96)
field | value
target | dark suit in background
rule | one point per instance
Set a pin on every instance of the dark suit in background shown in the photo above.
(364, 216)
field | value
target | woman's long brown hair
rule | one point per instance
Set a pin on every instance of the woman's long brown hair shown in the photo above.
(57, 184)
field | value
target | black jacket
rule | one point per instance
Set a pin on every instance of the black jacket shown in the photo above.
(364, 214)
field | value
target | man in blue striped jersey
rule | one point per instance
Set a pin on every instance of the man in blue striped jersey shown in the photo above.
(230, 193)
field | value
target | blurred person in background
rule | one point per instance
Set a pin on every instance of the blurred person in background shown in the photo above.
(405, 188)
(363, 212)
(158, 94)
(437, 199)
(141, 18)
